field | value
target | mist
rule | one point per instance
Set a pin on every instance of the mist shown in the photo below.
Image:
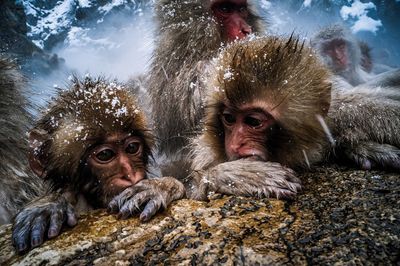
(121, 46)
(112, 51)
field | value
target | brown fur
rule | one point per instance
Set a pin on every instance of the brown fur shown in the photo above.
(284, 75)
(18, 185)
(188, 38)
(365, 123)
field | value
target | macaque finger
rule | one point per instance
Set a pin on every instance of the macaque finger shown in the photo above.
(72, 220)
(120, 200)
(56, 222)
(39, 226)
(20, 235)
(134, 204)
(151, 208)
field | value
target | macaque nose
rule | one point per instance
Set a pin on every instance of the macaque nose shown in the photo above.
(246, 29)
(234, 141)
(128, 171)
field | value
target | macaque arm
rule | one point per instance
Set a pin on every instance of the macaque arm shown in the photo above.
(366, 126)
(41, 219)
(369, 155)
(246, 178)
(148, 196)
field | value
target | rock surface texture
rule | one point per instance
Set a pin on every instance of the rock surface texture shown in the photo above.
(342, 217)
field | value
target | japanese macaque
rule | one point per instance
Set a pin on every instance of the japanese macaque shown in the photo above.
(366, 58)
(18, 185)
(341, 53)
(368, 63)
(93, 146)
(265, 100)
(364, 120)
(190, 34)
(365, 123)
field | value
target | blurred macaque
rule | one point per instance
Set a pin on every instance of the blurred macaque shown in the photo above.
(341, 53)
(18, 184)
(93, 145)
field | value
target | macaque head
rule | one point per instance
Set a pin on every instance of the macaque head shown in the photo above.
(264, 99)
(93, 139)
(338, 48)
(233, 18)
(202, 25)
(337, 51)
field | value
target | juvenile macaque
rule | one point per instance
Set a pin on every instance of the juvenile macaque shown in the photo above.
(190, 34)
(93, 146)
(265, 99)
(18, 185)
(341, 53)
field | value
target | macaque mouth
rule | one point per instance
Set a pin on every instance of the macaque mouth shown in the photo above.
(253, 158)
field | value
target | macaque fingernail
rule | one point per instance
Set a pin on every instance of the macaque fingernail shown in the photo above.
(36, 241)
(21, 247)
(52, 233)
(143, 217)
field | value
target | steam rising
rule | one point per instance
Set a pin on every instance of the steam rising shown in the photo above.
(116, 52)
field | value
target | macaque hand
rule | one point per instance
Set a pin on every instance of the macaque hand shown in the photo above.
(368, 155)
(41, 219)
(245, 177)
(149, 194)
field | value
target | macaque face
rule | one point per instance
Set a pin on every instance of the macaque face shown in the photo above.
(117, 163)
(246, 133)
(338, 52)
(232, 15)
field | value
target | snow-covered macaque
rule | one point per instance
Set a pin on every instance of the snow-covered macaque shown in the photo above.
(93, 145)
(190, 33)
(18, 184)
(341, 53)
(265, 98)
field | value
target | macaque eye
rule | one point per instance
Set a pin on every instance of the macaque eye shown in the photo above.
(133, 147)
(226, 8)
(105, 155)
(253, 122)
(228, 119)
(242, 9)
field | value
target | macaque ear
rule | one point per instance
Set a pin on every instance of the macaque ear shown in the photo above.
(37, 155)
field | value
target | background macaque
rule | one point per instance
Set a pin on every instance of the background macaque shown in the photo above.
(366, 57)
(190, 34)
(18, 185)
(94, 146)
(341, 53)
(264, 100)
